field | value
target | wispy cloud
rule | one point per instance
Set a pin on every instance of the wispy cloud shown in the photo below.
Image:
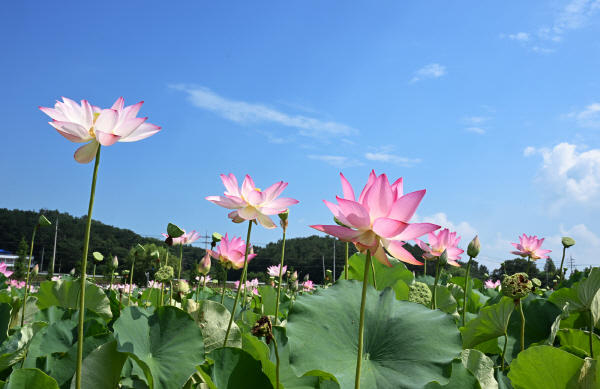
(337, 161)
(463, 229)
(476, 130)
(433, 70)
(474, 123)
(521, 36)
(385, 154)
(250, 113)
(588, 117)
(272, 138)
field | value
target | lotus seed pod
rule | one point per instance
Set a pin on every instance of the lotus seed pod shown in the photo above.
(328, 272)
(43, 222)
(517, 286)
(443, 259)
(126, 272)
(174, 231)
(568, 242)
(97, 257)
(420, 293)
(474, 247)
(263, 328)
(204, 265)
(216, 238)
(164, 274)
(537, 283)
(115, 262)
(139, 249)
(181, 286)
(35, 271)
(284, 215)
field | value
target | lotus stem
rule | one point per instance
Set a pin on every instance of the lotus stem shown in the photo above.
(361, 323)
(120, 300)
(94, 274)
(504, 350)
(112, 274)
(522, 325)
(280, 276)
(528, 262)
(346, 263)
(180, 261)
(203, 284)
(591, 334)
(83, 270)
(197, 288)
(374, 279)
(277, 357)
(437, 278)
(562, 277)
(224, 285)
(130, 282)
(425, 267)
(27, 282)
(162, 294)
(466, 292)
(237, 296)
(171, 290)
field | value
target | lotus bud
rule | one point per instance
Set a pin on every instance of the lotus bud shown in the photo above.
(294, 276)
(306, 278)
(97, 257)
(295, 286)
(568, 242)
(139, 249)
(474, 247)
(72, 272)
(204, 265)
(43, 222)
(443, 259)
(35, 270)
(115, 262)
(288, 274)
(517, 286)
(263, 328)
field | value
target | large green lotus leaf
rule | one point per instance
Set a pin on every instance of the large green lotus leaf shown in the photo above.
(481, 366)
(5, 315)
(573, 279)
(491, 323)
(63, 368)
(15, 346)
(398, 349)
(384, 275)
(539, 316)
(429, 280)
(29, 379)
(269, 300)
(579, 339)
(167, 344)
(235, 368)
(402, 290)
(554, 328)
(461, 378)
(152, 295)
(17, 311)
(490, 346)
(34, 348)
(213, 320)
(546, 367)
(228, 302)
(444, 300)
(62, 335)
(101, 368)
(260, 351)
(65, 294)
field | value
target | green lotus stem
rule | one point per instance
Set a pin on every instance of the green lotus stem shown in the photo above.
(27, 282)
(130, 282)
(162, 294)
(374, 280)
(120, 301)
(280, 276)
(522, 325)
(591, 334)
(223, 290)
(171, 290)
(94, 274)
(198, 287)
(425, 267)
(466, 294)
(277, 357)
(361, 323)
(112, 274)
(562, 276)
(86, 243)
(346, 263)
(528, 262)
(180, 261)
(437, 278)
(237, 296)
(504, 350)
(204, 283)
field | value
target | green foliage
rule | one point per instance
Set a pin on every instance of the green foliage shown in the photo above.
(20, 267)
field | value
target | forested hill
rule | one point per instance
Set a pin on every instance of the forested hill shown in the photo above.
(306, 254)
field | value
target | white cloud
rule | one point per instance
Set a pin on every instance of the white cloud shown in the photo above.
(272, 138)
(476, 130)
(522, 36)
(386, 157)
(475, 120)
(433, 70)
(589, 117)
(463, 229)
(543, 50)
(585, 250)
(337, 161)
(245, 113)
(568, 176)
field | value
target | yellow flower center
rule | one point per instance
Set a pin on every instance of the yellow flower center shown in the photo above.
(91, 131)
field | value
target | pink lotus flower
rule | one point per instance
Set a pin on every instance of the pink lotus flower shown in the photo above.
(437, 244)
(104, 127)
(529, 246)
(154, 285)
(3, 270)
(231, 253)
(489, 284)
(250, 285)
(250, 203)
(201, 279)
(188, 238)
(274, 270)
(308, 285)
(378, 219)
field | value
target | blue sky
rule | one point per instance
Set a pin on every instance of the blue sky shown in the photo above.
(493, 107)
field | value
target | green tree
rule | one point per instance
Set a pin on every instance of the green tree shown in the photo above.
(20, 264)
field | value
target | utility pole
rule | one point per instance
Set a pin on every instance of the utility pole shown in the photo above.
(323, 266)
(51, 272)
(206, 241)
(333, 260)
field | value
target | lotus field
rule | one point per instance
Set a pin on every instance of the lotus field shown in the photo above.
(379, 325)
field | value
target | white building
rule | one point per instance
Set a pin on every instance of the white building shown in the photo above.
(10, 260)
